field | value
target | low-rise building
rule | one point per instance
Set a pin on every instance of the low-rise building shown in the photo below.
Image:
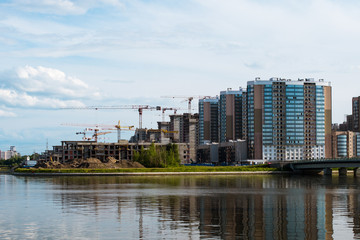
(226, 153)
(345, 144)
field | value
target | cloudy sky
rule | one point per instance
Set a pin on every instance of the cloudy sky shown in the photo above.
(73, 53)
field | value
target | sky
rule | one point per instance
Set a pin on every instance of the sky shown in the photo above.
(59, 54)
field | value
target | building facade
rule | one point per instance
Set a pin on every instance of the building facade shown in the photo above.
(288, 120)
(69, 150)
(5, 155)
(232, 115)
(355, 114)
(185, 129)
(208, 120)
(226, 153)
(345, 144)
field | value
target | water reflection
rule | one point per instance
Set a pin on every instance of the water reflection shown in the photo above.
(184, 207)
(228, 207)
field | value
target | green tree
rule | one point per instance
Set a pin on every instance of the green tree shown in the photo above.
(13, 161)
(158, 156)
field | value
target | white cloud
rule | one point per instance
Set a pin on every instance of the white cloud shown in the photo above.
(48, 81)
(41, 87)
(15, 99)
(5, 113)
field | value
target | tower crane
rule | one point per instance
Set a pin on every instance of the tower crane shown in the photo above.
(84, 135)
(97, 127)
(97, 133)
(165, 109)
(188, 98)
(94, 136)
(118, 128)
(140, 109)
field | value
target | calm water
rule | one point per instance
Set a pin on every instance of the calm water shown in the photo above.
(241, 207)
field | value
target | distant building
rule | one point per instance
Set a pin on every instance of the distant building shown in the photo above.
(226, 153)
(208, 120)
(232, 115)
(289, 120)
(140, 136)
(350, 122)
(5, 155)
(347, 125)
(355, 113)
(185, 128)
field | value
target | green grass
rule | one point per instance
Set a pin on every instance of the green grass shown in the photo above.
(4, 168)
(144, 170)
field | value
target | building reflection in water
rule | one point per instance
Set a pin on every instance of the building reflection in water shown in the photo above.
(226, 207)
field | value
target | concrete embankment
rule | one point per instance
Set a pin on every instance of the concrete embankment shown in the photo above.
(152, 173)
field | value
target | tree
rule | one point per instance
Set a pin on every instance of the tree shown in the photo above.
(13, 161)
(158, 156)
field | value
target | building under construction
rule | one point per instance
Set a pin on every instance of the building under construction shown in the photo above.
(185, 128)
(123, 150)
(182, 130)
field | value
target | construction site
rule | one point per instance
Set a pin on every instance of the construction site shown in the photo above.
(181, 130)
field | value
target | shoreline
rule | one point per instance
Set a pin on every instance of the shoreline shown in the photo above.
(153, 173)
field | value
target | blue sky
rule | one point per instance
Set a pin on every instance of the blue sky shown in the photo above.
(66, 53)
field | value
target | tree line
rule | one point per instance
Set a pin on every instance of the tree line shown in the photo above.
(158, 156)
(16, 160)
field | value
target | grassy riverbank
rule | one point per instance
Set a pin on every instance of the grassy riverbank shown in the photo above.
(145, 170)
(4, 169)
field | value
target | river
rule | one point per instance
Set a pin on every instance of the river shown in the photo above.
(180, 207)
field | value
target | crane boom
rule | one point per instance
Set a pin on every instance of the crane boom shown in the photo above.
(140, 109)
(92, 127)
(165, 109)
(189, 99)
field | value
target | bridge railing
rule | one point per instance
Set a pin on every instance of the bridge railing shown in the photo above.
(327, 160)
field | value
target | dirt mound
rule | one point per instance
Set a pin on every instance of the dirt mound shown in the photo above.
(72, 163)
(51, 164)
(111, 160)
(91, 163)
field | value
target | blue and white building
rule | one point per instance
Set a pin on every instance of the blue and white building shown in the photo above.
(288, 120)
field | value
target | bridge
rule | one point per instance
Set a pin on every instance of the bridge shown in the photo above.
(326, 165)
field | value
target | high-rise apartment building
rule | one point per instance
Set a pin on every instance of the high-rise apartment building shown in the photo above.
(355, 114)
(289, 120)
(208, 120)
(232, 115)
